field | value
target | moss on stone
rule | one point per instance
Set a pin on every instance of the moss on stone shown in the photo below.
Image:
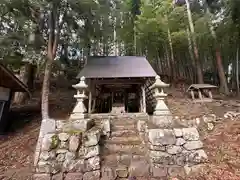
(55, 141)
(74, 132)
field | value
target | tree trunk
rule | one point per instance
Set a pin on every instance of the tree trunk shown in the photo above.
(45, 89)
(195, 48)
(237, 70)
(173, 73)
(221, 73)
(26, 75)
(190, 49)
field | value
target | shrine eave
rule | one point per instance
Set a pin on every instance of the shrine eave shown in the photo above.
(117, 67)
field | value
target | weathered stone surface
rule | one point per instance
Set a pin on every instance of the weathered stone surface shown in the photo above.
(141, 125)
(45, 155)
(91, 151)
(52, 155)
(73, 165)
(161, 137)
(139, 168)
(63, 136)
(172, 149)
(162, 121)
(58, 176)
(60, 124)
(190, 134)
(49, 142)
(41, 177)
(122, 171)
(81, 152)
(70, 156)
(82, 124)
(106, 126)
(74, 176)
(180, 142)
(74, 142)
(160, 157)
(63, 145)
(180, 159)
(91, 138)
(175, 171)
(198, 156)
(48, 126)
(157, 148)
(178, 132)
(92, 164)
(61, 151)
(108, 173)
(55, 167)
(191, 145)
(93, 175)
(60, 157)
(159, 171)
(44, 167)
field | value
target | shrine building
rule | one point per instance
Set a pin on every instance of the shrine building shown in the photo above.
(118, 84)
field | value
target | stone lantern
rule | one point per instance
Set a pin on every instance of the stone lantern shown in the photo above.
(79, 111)
(162, 115)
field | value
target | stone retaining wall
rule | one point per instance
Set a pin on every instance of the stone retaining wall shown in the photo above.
(70, 153)
(172, 151)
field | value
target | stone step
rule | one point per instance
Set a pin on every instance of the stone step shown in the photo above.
(116, 127)
(137, 169)
(124, 133)
(123, 142)
(132, 149)
(126, 139)
(123, 122)
(124, 159)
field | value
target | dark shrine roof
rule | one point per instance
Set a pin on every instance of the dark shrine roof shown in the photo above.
(9, 80)
(117, 67)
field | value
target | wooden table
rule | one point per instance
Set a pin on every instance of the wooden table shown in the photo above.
(203, 90)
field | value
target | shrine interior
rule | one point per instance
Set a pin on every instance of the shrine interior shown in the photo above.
(127, 95)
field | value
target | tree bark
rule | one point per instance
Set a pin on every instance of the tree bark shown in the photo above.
(237, 70)
(45, 89)
(53, 39)
(221, 73)
(26, 75)
(173, 73)
(195, 48)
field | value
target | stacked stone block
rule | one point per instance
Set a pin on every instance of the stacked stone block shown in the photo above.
(70, 155)
(172, 150)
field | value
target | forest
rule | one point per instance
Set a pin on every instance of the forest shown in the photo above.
(185, 41)
(196, 41)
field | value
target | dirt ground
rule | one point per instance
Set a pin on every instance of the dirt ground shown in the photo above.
(222, 144)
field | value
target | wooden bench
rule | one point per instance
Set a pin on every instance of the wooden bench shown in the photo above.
(203, 90)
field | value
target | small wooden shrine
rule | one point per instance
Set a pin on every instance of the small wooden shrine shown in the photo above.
(201, 92)
(117, 84)
(9, 84)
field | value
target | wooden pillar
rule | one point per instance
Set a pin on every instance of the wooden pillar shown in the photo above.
(192, 94)
(90, 102)
(143, 99)
(200, 94)
(141, 102)
(210, 94)
(94, 105)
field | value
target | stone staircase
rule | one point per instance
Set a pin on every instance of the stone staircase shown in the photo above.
(123, 154)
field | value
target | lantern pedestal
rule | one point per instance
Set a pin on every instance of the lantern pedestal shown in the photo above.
(79, 117)
(162, 116)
